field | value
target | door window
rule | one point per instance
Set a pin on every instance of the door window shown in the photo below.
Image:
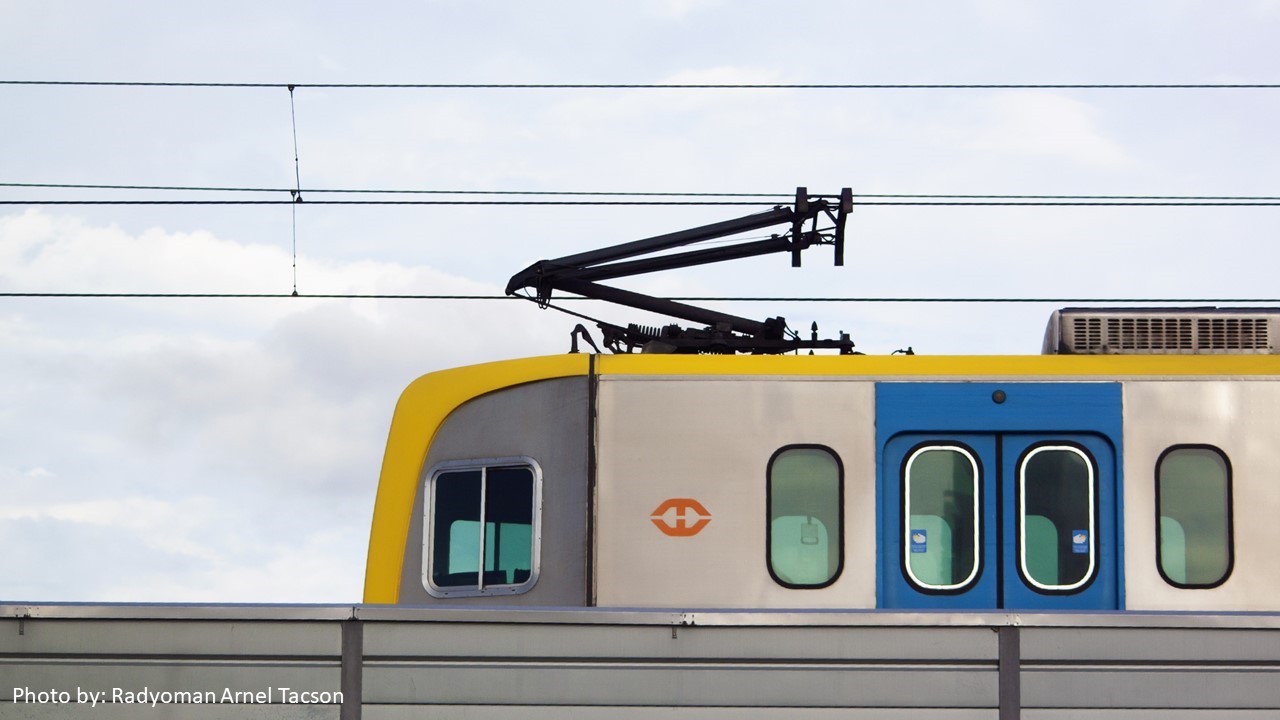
(941, 517)
(1056, 517)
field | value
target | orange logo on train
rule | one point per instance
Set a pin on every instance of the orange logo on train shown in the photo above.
(688, 519)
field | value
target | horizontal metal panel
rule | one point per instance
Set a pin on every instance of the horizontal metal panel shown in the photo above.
(132, 676)
(1151, 687)
(719, 685)
(575, 662)
(170, 712)
(1159, 646)
(820, 618)
(1104, 714)
(162, 637)
(12, 614)
(178, 611)
(667, 617)
(601, 712)
(587, 641)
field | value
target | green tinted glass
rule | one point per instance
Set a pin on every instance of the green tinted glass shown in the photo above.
(1057, 517)
(941, 517)
(501, 500)
(1194, 486)
(804, 517)
(508, 510)
(455, 546)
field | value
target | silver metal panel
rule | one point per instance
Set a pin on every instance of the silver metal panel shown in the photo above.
(707, 666)
(722, 643)
(436, 662)
(602, 712)
(1144, 668)
(176, 638)
(14, 618)
(169, 712)
(1240, 417)
(820, 618)
(1205, 686)
(1162, 714)
(710, 439)
(177, 611)
(173, 655)
(1151, 646)
(711, 684)
(169, 674)
(546, 421)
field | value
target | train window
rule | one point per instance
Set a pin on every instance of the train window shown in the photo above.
(482, 528)
(1193, 506)
(1056, 543)
(805, 507)
(941, 517)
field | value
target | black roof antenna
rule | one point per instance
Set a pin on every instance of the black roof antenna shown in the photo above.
(580, 274)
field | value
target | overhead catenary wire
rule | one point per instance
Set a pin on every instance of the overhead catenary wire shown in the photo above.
(689, 298)
(878, 199)
(617, 193)
(399, 191)
(759, 198)
(655, 86)
(666, 203)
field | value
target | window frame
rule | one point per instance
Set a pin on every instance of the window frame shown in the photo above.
(1231, 534)
(768, 516)
(1021, 517)
(429, 527)
(904, 517)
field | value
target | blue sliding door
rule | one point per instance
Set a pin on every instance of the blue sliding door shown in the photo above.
(998, 496)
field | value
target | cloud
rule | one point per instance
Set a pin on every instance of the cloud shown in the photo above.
(680, 9)
(1267, 9)
(149, 518)
(1009, 15)
(197, 549)
(47, 252)
(210, 449)
(1042, 124)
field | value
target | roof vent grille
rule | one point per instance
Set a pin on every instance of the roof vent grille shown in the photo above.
(1175, 331)
(1232, 334)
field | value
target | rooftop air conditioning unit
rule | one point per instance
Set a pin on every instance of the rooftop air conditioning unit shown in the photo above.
(1162, 331)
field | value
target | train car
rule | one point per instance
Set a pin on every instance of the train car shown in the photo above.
(1129, 467)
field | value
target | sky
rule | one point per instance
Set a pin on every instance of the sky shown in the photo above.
(227, 450)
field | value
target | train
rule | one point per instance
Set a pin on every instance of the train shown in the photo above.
(1131, 466)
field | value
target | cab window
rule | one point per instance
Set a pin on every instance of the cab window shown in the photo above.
(482, 528)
